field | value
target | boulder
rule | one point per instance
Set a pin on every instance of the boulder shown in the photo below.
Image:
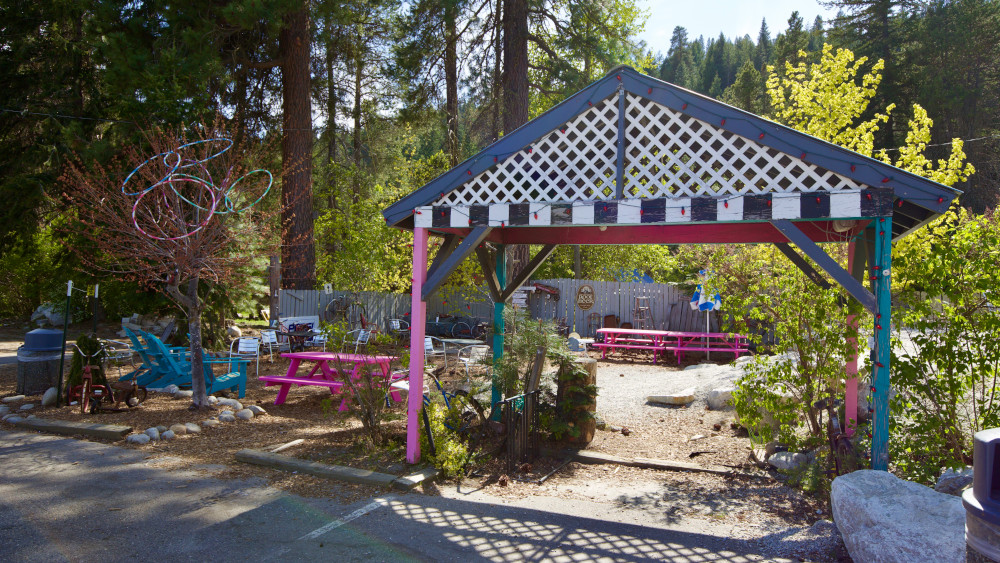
(178, 429)
(161, 429)
(245, 414)
(168, 435)
(12, 418)
(787, 462)
(884, 518)
(192, 428)
(153, 433)
(257, 410)
(720, 398)
(13, 399)
(227, 402)
(171, 389)
(234, 332)
(184, 394)
(682, 398)
(953, 482)
(137, 439)
(49, 397)
(227, 417)
(210, 423)
(212, 399)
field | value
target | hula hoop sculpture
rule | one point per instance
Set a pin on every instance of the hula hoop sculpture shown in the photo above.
(176, 195)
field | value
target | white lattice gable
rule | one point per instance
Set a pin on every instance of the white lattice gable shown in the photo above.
(671, 154)
(576, 162)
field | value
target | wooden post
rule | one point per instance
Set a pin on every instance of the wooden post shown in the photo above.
(498, 326)
(274, 283)
(880, 267)
(418, 321)
(851, 368)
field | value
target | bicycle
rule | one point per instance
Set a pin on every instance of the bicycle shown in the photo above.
(349, 311)
(469, 327)
(841, 449)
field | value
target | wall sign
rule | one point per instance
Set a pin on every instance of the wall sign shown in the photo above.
(585, 297)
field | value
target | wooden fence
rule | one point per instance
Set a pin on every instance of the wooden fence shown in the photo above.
(669, 305)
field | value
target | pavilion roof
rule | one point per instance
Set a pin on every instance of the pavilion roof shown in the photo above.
(631, 150)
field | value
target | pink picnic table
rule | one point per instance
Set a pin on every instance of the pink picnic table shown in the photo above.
(663, 340)
(324, 372)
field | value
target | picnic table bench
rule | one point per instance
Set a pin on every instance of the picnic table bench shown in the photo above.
(679, 343)
(323, 374)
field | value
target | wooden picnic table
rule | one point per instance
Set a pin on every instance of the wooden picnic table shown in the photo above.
(325, 371)
(662, 340)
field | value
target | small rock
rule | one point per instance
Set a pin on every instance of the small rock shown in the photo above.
(682, 398)
(212, 399)
(49, 397)
(621, 375)
(192, 428)
(625, 431)
(227, 417)
(178, 429)
(184, 394)
(133, 402)
(953, 482)
(245, 414)
(26, 407)
(161, 429)
(13, 399)
(210, 423)
(231, 403)
(137, 439)
(168, 435)
(788, 461)
(171, 389)
(257, 411)
(12, 418)
(153, 433)
(30, 416)
(234, 332)
(4, 409)
(696, 437)
(717, 427)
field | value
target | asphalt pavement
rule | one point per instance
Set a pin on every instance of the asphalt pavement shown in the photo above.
(63, 499)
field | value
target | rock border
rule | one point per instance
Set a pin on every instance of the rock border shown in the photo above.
(70, 428)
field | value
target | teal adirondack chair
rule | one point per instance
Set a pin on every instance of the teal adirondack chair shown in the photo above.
(171, 366)
(152, 370)
(179, 370)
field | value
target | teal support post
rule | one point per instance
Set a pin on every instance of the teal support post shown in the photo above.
(880, 273)
(498, 327)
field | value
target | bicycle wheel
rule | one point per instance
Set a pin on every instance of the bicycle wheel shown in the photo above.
(461, 330)
(356, 316)
(85, 397)
(844, 457)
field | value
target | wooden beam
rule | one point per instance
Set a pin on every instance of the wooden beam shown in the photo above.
(525, 273)
(449, 245)
(488, 262)
(823, 260)
(455, 258)
(806, 267)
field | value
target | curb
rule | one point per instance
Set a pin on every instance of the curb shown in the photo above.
(334, 472)
(102, 431)
(595, 458)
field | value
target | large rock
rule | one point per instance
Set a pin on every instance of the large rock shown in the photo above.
(153, 433)
(788, 462)
(178, 429)
(49, 397)
(886, 519)
(720, 398)
(138, 439)
(245, 414)
(682, 398)
(952, 482)
(227, 402)
(257, 410)
(13, 399)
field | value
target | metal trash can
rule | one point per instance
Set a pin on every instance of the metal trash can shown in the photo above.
(982, 501)
(38, 361)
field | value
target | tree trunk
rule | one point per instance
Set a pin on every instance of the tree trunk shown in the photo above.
(515, 90)
(451, 78)
(356, 113)
(497, 73)
(298, 255)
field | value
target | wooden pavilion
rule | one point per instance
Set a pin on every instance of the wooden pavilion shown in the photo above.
(634, 160)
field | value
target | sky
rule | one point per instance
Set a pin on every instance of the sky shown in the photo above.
(734, 18)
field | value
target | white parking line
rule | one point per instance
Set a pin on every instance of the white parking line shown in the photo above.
(379, 502)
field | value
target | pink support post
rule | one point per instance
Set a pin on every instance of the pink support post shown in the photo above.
(851, 369)
(418, 321)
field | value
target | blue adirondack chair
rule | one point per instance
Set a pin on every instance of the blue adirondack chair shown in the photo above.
(172, 367)
(152, 369)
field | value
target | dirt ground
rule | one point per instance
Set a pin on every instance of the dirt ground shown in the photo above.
(690, 434)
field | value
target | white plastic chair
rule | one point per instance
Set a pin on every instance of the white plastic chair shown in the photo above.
(475, 355)
(399, 328)
(316, 340)
(269, 338)
(358, 337)
(246, 347)
(431, 350)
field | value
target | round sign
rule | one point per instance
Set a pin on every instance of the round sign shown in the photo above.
(585, 297)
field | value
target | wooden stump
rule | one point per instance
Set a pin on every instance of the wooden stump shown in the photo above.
(577, 407)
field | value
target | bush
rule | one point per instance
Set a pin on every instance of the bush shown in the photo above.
(451, 455)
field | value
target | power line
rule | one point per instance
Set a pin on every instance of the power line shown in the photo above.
(62, 116)
(953, 142)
